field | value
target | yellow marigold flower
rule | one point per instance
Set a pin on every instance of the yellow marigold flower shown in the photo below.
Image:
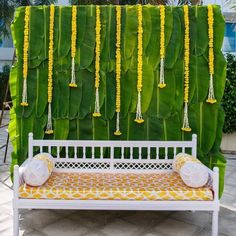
(211, 96)
(25, 56)
(49, 129)
(185, 126)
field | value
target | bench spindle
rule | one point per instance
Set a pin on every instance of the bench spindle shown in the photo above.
(75, 152)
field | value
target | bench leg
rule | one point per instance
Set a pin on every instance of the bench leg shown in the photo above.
(215, 223)
(16, 222)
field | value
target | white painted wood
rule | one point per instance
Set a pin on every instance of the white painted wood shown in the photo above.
(15, 201)
(110, 165)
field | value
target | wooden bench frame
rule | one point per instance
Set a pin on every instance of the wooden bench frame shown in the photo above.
(111, 164)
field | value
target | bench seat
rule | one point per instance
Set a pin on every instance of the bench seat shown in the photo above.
(117, 186)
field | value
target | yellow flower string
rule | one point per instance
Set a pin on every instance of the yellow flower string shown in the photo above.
(49, 129)
(97, 62)
(186, 69)
(139, 119)
(24, 101)
(211, 96)
(162, 47)
(73, 45)
(118, 68)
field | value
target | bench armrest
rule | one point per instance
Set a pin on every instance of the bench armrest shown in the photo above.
(16, 180)
(216, 183)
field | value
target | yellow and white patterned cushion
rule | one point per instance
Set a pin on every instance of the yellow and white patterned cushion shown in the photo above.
(101, 186)
(38, 169)
(193, 173)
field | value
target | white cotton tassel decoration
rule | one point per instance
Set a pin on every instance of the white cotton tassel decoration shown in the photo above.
(49, 129)
(73, 82)
(186, 122)
(162, 74)
(117, 132)
(211, 96)
(139, 119)
(97, 107)
(24, 94)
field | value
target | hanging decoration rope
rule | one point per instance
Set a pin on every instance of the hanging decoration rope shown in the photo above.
(185, 126)
(49, 129)
(139, 119)
(73, 45)
(162, 47)
(118, 68)
(211, 96)
(24, 101)
(97, 62)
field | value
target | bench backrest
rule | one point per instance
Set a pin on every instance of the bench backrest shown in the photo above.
(114, 156)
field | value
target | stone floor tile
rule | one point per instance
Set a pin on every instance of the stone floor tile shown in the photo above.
(145, 218)
(173, 227)
(93, 219)
(196, 218)
(228, 200)
(5, 196)
(32, 233)
(37, 219)
(92, 233)
(120, 228)
(227, 227)
(29, 232)
(153, 234)
(208, 232)
(67, 226)
(227, 214)
(64, 213)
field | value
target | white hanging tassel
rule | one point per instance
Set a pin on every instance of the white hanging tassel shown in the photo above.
(211, 96)
(162, 74)
(97, 108)
(73, 82)
(24, 94)
(117, 132)
(139, 119)
(49, 129)
(186, 122)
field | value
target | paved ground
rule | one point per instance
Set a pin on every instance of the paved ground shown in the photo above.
(116, 223)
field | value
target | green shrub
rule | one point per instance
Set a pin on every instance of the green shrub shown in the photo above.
(4, 77)
(229, 98)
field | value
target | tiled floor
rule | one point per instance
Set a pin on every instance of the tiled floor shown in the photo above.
(116, 223)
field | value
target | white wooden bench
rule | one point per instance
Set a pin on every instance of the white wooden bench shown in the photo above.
(82, 164)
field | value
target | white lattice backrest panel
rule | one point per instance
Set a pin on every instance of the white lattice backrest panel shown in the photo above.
(115, 156)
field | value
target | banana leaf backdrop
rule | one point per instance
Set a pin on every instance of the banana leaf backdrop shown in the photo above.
(162, 109)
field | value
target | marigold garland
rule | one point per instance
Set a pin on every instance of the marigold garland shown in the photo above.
(211, 96)
(139, 119)
(118, 68)
(162, 47)
(24, 101)
(185, 126)
(49, 129)
(97, 62)
(73, 45)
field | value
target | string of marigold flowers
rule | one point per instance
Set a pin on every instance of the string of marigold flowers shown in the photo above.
(49, 129)
(24, 101)
(139, 119)
(97, 62)
(162, 47)
(211, 96)
(185, 126)
(73, 45)
(118, 68)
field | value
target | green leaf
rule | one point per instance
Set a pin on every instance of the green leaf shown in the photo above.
(163, 99)
(173, 48)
